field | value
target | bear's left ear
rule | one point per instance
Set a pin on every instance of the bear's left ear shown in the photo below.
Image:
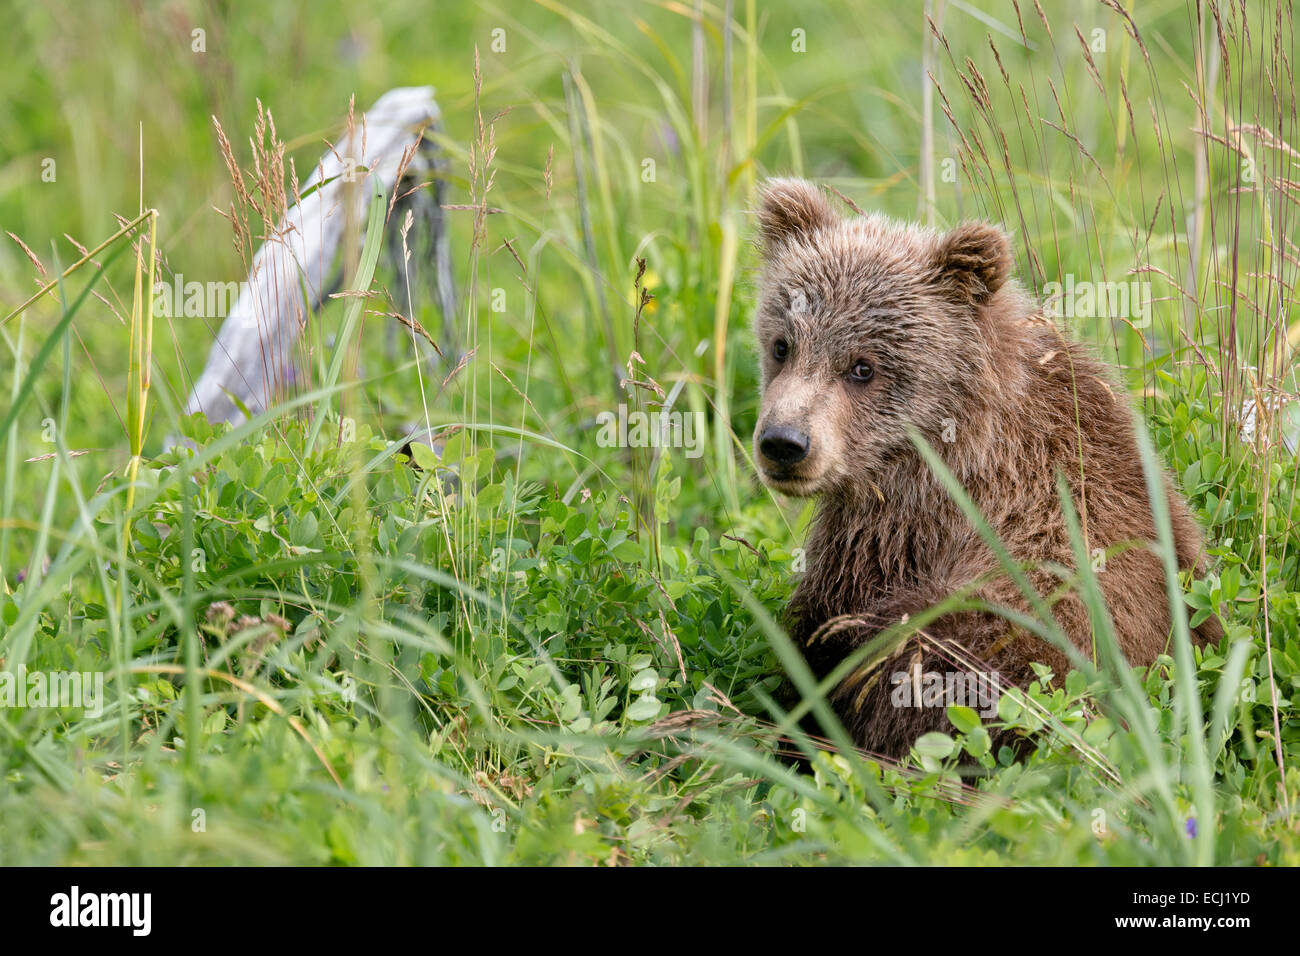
(973, 261)
(789, 208)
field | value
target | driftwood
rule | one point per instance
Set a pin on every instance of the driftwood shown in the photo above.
(252, 360)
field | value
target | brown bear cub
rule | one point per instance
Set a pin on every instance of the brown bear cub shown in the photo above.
(866, 327)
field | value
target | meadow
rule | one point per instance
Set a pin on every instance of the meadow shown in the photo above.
(540, 644)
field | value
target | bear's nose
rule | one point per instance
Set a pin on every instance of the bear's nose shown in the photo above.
(783, 445)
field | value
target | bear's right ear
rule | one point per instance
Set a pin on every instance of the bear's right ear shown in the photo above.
(973, 261)
(791, 207)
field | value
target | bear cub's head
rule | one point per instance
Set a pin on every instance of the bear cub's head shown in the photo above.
(866, 326)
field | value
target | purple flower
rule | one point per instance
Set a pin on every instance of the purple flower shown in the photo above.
(1191, 827)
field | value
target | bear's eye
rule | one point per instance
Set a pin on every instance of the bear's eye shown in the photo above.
(862, 372)
(780, 349)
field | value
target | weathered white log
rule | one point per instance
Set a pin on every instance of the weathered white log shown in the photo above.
(252, 358)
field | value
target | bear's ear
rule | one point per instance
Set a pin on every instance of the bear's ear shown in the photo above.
(973, 261)
(791, 207)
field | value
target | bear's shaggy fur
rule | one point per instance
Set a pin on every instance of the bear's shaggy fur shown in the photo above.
(866, 327)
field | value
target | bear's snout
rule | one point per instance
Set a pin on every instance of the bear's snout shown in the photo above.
(783, 445)
(799, 437)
